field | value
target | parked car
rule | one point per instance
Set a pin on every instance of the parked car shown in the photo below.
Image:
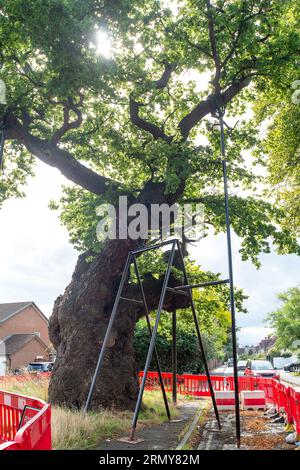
(241, 365)
(230, 362)
(261, 369)
(291, 366)
(40, 367)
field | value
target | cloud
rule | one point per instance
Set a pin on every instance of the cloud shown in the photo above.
(277, 274)
(252, 335)
(36, 258)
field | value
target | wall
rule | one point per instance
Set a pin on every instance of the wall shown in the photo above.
(27, 321)
(27, 354)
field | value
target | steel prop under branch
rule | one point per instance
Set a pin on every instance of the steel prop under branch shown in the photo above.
(185, 289)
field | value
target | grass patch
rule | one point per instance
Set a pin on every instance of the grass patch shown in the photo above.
(71, 429)
(33, 386)
(74, 430)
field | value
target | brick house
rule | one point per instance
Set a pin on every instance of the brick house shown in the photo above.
(23, 335)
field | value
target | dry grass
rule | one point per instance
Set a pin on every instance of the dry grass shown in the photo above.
(71, 429)
(74, 430)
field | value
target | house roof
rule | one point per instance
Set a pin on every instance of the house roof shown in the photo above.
(10, 309)
(14, 343)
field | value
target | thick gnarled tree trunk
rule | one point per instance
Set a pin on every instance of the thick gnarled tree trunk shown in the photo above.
(80, 318)
(77, 328)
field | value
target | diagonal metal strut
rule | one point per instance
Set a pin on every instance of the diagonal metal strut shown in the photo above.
(150, 333)
(211, 389)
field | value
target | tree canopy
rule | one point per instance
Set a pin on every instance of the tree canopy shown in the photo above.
(286, 320)
(141, 120)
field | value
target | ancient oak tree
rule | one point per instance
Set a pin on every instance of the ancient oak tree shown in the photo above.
(137, 121)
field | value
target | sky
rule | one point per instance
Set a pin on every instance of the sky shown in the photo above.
(37, 260)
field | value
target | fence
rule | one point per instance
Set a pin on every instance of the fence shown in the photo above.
(286, 399)
(25, 423)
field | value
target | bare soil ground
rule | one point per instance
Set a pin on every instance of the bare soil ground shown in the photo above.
(257, 433)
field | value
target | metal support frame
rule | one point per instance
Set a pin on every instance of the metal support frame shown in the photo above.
(211, 389)
(202, 284)
(152, 342)
(153, 332)
(131, 300)
(182, 290)
(150, 333)
(177, 291)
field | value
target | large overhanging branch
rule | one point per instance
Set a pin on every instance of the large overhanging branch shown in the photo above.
(147, 126)
(134, 107)
(165, 78)
(67, 124)
(58, 158)
(211, 105)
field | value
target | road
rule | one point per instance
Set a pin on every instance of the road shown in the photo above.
(285, 377)
(224, 371)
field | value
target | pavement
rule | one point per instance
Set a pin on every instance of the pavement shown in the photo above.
(289, 378)
(165, 436)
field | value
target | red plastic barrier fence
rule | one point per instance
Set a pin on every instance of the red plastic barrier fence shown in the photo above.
(25, 423)
(285, 398)
(197, 385)
(267, 385)
(281, 396)
(294, 405)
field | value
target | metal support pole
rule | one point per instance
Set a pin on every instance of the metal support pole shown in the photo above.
(152, 247)
(202, 284)
(152, 342)
(177, 291)
(174, 358)
(108, 331)
(212, 392)
(230, 272)
(150, 333)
